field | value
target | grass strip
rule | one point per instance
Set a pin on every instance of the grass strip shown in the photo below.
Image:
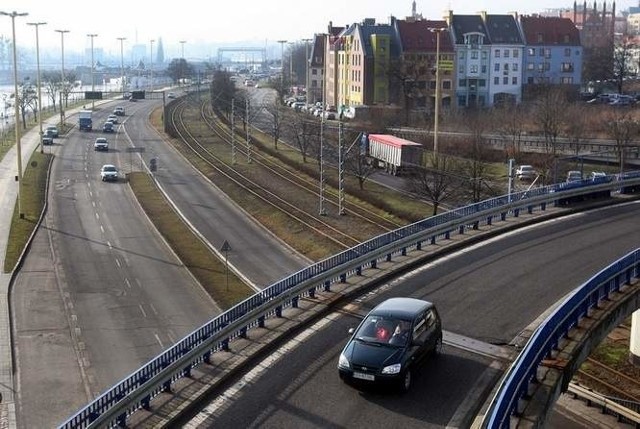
(34, 188)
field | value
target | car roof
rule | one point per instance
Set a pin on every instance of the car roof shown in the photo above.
(404, 308)
(108, 166)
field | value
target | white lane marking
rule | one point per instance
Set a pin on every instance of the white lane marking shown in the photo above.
(153, 309)
(109, 245)
(158, 340)
(127, 282)
(118, 263)
(101, 229)
(144, 314)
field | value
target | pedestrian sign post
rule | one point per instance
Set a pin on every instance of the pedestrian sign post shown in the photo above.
(226, 248)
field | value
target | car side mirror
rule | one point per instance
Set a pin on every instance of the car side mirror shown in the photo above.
(351, 331)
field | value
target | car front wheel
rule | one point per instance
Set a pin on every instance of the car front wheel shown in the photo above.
(407, 379)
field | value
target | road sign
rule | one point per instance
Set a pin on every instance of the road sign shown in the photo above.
(446, 65)
(226, 247)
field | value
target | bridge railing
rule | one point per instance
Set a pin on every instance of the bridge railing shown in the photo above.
(552, 330)
(137, 390)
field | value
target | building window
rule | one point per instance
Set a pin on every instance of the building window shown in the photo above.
(514, 81)
(462, 100)
(547, 53)
(506, 53)
(531, 51)
(540, 38)
(547, 66)
(567, 80)
(432, 85)
(484, 55)
(482, 83)
(473, 68)
(496, 67)
(462, 83)
(505, 80)
(496, 80)
(516, 53)
(506, 67)
(530, 80)
(461, 55)
(461, 69)
(474, 55)
(314, 72)
(484, 68)
(541, 52)
(541, 67)
(446, 84)
(566, 67)
(497, 53)
(567, 52)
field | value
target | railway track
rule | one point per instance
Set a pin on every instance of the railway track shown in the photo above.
(243, 180)
(303, 182)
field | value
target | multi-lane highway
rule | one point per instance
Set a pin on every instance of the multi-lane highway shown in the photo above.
(487, 294)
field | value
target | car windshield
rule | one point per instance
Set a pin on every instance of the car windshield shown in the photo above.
(384, 330)
(109, 169)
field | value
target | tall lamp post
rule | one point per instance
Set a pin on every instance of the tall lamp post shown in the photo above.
(151, 66)
(282, 42)
(437, 101)
(122, 39)
(17, 109)
(291, 61)
(182, 64)
(62, 79)
(307, 64)
(93, 82)
(36, 25)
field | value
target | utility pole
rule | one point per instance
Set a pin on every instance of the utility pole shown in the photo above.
(151, 67)
(282, 42)
(233, 131)
(306, 68)
(248, 125)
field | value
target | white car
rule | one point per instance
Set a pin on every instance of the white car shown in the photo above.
(108, 173)
(101, 143)
(526, 172)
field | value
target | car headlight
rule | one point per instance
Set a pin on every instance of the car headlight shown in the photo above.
(392, 369)
(343, 362)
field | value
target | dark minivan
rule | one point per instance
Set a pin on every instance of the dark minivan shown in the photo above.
(392, 341)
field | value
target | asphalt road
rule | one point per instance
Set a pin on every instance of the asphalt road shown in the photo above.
(488, 292)
(100, 293)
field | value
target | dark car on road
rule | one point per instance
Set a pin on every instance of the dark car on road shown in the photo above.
(391, 343)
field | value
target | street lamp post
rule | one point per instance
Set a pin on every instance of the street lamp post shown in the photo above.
(62, 79)
(17, 109)
(282, 42)
(306, 68)
(36, 25)
(437, 101)
(182, 63)
(151, 66)
(93, 83)
(122, 39)
(291, 61)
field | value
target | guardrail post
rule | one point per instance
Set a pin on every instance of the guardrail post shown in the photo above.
(294, 302)
(374, 263)
(279, 311)
(433, 239)
(243, 332)
(312, 292)
(145, 402)
(261, 321)
(447, 235)
(503, 216)
(388, 257)
(327, 286)
(225, 344)
(489, 219)
(122, 420)
(206, 358)
(461, 230)
(476, 225)
(403, 252)
(418, 247)
(343, 278)
(187, 371)
(359, 271)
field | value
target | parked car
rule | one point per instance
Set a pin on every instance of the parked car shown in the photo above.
(574, 176)
(101, 144)
(52, 131)
(391, 343)
(526, 172)
(108, 173)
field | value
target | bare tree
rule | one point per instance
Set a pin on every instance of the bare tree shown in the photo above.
(27, 99)
(437, 181)
(622, 128)
(577, 128)
(511, 127)
(355, 158)
(475, 167)
(304, 134)
(622, 61)
(410, 75)
(277, 113)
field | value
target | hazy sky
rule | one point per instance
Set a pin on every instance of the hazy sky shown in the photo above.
(223, 21)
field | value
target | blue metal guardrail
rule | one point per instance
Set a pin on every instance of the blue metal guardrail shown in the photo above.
(555, 327)
(137, 390)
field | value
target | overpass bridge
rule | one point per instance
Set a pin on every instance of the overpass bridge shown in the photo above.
(172, 373)
(248, 57)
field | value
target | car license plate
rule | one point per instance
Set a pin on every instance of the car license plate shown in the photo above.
(363, 376)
